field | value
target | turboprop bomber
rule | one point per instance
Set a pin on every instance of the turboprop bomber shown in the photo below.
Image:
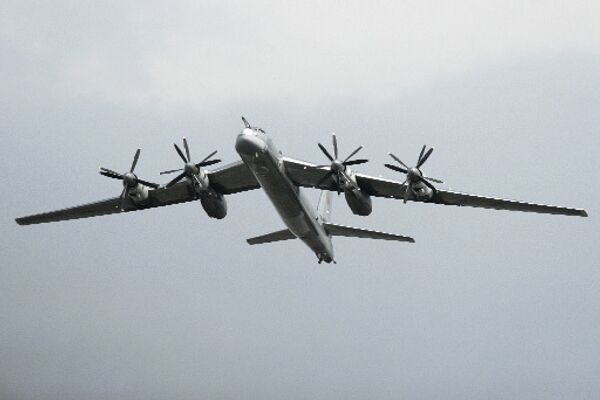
(262, 165)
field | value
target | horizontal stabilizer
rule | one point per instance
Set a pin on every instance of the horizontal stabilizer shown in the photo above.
(340, 230)
(272, 237)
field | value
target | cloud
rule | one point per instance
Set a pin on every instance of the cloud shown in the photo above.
(198, 54)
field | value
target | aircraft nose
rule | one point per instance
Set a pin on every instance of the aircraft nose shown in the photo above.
(249, 144)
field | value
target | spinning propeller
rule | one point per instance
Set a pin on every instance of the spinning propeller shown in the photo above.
(130, 180)
(190, 170)
(337, 166)
(414, 174)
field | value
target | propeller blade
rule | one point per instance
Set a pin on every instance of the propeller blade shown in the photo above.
(353, 153)
(207, 163)
(335, 146)
(421, 154)
(187, 148)
(339, 183)
(425, 157)
(111, 174)
(180, 153)
(433, 179)
(109, 171)
(396, 168)
(324, 178)
(246, 124)
(122, 198)
(398, 160)
(209, 156)
(357, 161)
(196, 180)
(324, 150)
(149, 184)
(135, 160)
(408, 189)
(171, 171)
(175, 180)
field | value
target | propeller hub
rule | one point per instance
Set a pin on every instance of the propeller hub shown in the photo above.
(190, 169)
(337, 166)
(414, 174)
(129, 179)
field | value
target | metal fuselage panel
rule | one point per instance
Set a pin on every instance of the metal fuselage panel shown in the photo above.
(264, 160)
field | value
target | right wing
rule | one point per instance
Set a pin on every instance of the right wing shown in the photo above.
(179, 193)
(309, 175)
(233, 178)
(104, 207)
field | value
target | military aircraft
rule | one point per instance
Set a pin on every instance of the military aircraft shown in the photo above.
(262, 165)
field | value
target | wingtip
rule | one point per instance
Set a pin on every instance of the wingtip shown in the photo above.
(583, 213)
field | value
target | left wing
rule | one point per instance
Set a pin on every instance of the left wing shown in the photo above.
(233, 178)
(308, 175)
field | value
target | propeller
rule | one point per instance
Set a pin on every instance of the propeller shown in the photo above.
(414, 174)
(337, 167)
(130, 180)
(190, 169)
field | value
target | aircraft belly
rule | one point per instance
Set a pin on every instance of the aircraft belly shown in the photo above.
(283, 194)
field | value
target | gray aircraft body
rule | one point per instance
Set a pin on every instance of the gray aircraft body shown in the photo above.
(263, 166)
(266, 163)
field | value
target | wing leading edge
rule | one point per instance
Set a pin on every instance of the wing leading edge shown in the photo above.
(309, 175)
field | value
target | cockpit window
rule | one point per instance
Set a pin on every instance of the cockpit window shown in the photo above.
(252, 131)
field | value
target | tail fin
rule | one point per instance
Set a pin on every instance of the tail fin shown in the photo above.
(341, 230)
(324, 206)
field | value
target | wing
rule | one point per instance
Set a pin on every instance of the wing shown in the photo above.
(233, 178)
(179, 193)
(308, 175)
(449, 197)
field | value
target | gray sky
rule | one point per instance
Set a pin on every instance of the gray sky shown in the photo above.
(171, 304)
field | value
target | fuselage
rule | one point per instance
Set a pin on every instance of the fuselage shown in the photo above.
(265, 161)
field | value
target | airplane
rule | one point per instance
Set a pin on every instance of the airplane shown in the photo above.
(262, 165)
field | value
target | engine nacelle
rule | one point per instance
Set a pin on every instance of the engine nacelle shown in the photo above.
(214, 204)
(358, 201)
(421, 192)
(138, 194)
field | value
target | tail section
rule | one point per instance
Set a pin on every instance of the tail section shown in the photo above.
(324, 206)
(341, 230)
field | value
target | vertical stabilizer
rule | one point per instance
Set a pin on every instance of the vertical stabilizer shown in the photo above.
(324, 206)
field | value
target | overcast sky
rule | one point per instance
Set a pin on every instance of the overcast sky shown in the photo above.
(171, 304)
